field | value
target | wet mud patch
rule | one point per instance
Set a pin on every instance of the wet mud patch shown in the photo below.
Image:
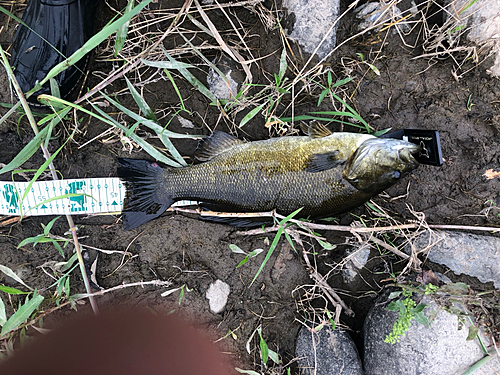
(191, 254)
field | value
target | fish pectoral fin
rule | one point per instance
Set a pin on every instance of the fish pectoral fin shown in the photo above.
(323, 162)
(315, 129)
(215, 144)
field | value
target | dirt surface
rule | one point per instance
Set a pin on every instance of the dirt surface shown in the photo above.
(410, 92)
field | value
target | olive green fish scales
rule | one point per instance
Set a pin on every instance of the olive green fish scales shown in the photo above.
(323, 173)
(271, 174)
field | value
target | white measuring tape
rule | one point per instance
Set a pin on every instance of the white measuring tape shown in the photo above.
(60, 197)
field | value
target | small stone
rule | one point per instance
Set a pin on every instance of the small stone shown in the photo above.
(217, 294)
(410, 86)
(222, 88)
(356, 261)
(315, 24)
(185, 123)
(379, 13)
(327, 352)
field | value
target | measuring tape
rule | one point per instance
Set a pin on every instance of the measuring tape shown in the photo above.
(60, 197)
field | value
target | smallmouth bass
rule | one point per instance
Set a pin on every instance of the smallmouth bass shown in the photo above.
(324, 173)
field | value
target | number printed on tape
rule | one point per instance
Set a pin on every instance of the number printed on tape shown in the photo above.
(79, 196)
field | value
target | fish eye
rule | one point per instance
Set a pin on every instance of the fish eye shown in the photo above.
(396, 175)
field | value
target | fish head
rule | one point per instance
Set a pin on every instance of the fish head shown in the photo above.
(379, 163)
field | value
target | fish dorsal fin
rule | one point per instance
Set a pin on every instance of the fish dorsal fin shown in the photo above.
(323, 162)
(315, 129)
(215, 144)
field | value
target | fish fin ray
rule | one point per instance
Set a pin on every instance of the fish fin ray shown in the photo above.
(142, 201)
(215, 144)
(315, 129)
(323, 162)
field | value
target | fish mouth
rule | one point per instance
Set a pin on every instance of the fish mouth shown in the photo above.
(407, 154)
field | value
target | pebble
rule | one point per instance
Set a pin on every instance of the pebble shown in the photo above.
(217, 294)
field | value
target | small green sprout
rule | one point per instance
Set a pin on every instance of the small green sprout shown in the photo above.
(251, 254)
(469, 103)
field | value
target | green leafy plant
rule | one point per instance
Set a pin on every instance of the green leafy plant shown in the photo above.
(24, 310)
(237, 250)
(408, 310)
(265, 353)
(282, 225)
(45, 237)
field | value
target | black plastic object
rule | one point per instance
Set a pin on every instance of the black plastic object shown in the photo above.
(56, 29)
(428, 139)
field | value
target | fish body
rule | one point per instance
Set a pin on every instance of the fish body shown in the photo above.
(322, 173)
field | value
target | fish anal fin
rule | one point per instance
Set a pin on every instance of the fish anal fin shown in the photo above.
(215, 144)
(323, 162)
(315, 129)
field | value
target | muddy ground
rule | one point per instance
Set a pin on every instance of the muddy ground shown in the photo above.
(408, 93)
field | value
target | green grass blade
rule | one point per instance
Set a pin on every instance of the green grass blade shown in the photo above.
(283, 66)
(64, 196)
(109, 120)
(193, 80)
(177, 91)
(10, 290)
(27, 152)
(143, 106)
(275, 242)
(121, 33)
(153, 152)
(250, 115)
(264, 349)
(6, 270)
(309, 117)
(44, 167)
(21, 315)
(34, 240)
(158, 129)
(3, 315)
(94, 42)
(468, 5)
(342, 81)
(356, 115)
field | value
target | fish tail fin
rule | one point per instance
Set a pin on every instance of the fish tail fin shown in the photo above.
(144, 200)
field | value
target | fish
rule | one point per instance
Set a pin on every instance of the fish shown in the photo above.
(321, 173)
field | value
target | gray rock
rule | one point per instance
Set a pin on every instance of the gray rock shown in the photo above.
(224, 87)
(327, 352)
(464, 253)
(217, 294)
(441, 349)
(376, 14)
(483, 20)
(314, 21)
(356, 260)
